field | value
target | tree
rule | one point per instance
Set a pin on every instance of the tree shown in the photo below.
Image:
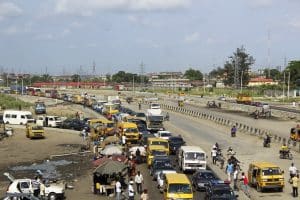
(75, 78)
(243, 62)
(46, 78)
(275, 74)
(193, 74)
(294, 69)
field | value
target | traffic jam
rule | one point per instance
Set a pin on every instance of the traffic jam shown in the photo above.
(129, 142)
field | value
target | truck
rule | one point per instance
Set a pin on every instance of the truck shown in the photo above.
(39, 107)
(49, 121)
(25, 188)
(244, 99)
(154, 120)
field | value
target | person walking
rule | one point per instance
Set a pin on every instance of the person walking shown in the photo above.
(144, 195)
(118, 190)
(233, 131)
(139, 180)
(235, 179)
(214, 155)
(138, 156)
(245, 183)
(229, 171)
(130, 190)
(295, 184)
(292, 170)
(42, 190)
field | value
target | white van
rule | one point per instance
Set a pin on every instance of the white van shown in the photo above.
(17, 117)
(49, 121)
(191, 158)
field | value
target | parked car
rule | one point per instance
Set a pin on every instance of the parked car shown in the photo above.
(202, 178)
(25, 187)
(175, 142)
(220, 190)
(75, 124)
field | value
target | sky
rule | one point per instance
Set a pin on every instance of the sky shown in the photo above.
(68, 36)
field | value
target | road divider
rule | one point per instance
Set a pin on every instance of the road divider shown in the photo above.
(245, 128)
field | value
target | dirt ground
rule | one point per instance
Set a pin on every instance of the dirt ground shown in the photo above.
(21, 156)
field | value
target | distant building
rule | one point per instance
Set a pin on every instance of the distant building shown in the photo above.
(171, 83)
(258, 81)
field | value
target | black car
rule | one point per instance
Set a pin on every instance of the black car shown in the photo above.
(219, 190)
(175, 142)
(75, 124)
(144, 139)
(158, 162)
(202, 178)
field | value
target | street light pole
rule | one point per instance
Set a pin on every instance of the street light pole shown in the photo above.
(241, 81)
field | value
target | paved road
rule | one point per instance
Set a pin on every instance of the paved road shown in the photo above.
(249, 148)
(276, 126)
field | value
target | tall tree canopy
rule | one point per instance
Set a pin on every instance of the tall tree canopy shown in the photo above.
(294, 69)
(193, 74)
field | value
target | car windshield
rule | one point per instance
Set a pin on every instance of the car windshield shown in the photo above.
(194, 156)
(155, 105)
(271, 171)
(163, 164)
(29, 116)
(110, 125)
(140, 114)
(156, 118)
(56, 118)
(165, 134)
(165, 144)
(176, 140)
(206, 175)
(131, 130)
(180, 188)
(156, 152)
(223, 193)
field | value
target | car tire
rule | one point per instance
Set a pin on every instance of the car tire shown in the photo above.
(52, 196)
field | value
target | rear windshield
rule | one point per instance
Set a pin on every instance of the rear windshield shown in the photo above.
(165, 144)
(180, 188)
(194, 156)
(271, 171)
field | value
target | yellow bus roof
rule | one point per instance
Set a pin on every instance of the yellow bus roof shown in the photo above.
(177, 178)
(262, 164)
(127, 124)
(156, 147)
(157, 139)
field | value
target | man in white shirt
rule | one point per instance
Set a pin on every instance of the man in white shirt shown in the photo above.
(118, 190)
(130, 190)
(293, 170)
(214, 155)
(138, 179)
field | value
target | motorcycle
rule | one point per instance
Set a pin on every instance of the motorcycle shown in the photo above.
(267, 142)
(285, 154)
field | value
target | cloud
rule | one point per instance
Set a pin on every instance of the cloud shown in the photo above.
(295, 23)
(192, 37)
(8, 9)
(51, 36)
(260, 3)
(89, 7)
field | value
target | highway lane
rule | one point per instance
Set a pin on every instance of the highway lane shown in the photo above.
(277, 127)
(205, 134)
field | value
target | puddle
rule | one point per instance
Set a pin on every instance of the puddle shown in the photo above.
(48, 168)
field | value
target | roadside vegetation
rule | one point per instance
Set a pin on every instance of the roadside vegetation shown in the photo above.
(9, 102)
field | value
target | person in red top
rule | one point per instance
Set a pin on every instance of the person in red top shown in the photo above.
(245, 183)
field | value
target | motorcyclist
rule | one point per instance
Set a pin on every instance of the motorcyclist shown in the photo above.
(267, 140)
(167, 116)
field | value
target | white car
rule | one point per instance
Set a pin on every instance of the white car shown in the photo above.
(25, 186)
(163, 134)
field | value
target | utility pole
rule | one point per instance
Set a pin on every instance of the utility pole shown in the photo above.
(142, 74)
(241, 81)
(289, 78)
(283, 87)
(133, 84)
(269, 53)
(236, 71)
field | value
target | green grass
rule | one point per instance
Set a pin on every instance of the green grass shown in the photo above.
(8, 102)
